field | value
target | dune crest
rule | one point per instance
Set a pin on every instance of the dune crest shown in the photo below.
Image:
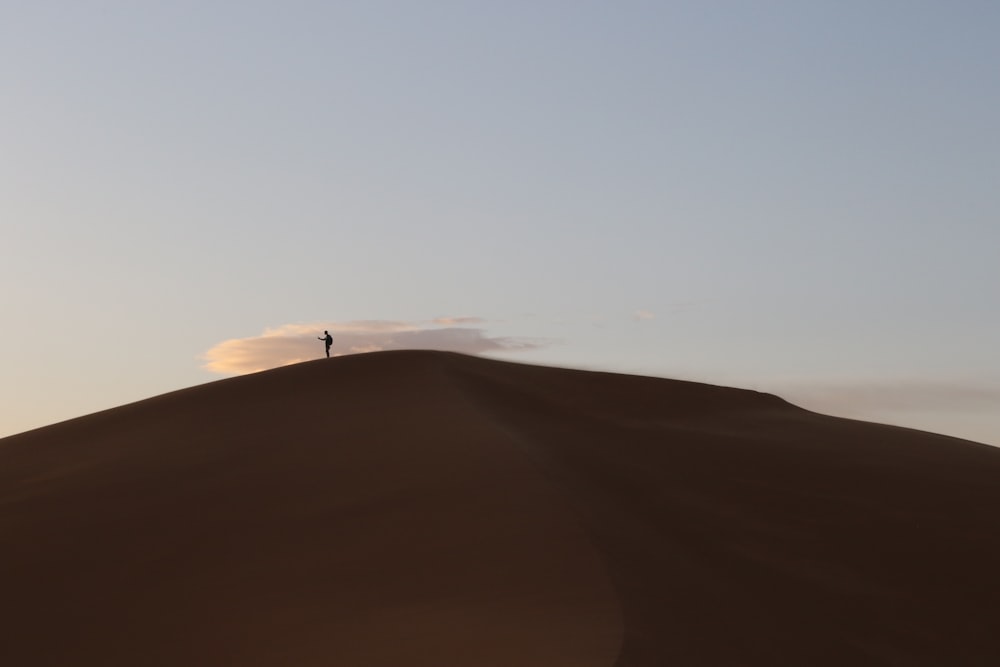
(428, 508)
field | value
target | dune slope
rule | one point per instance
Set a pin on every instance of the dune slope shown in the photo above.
(424, 508)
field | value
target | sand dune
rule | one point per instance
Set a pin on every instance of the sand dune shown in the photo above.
(432, 509)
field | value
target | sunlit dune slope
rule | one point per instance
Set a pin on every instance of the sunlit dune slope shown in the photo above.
(425, 508)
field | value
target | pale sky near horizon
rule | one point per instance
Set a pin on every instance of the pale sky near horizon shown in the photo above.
(794, 197)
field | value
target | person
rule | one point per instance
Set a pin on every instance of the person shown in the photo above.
(328, 339)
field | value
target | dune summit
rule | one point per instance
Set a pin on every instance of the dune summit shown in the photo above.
(431, 509)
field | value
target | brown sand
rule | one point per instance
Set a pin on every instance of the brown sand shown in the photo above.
(431, 509)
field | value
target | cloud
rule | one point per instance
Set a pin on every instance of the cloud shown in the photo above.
(294, 343)
(641, 315)
(872, 397)
(451, 321)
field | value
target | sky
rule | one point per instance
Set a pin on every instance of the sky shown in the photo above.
(785, 196)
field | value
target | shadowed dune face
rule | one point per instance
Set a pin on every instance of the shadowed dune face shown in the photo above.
(421, 508)
(349, 514)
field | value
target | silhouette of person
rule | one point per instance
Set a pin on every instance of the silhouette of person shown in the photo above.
(328, 339)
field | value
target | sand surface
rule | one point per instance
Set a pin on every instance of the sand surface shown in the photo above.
(432, 509)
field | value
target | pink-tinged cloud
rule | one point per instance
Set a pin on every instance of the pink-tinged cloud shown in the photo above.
(452, 321)
(294, 343)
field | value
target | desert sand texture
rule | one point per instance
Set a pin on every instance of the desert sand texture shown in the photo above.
(430, 509)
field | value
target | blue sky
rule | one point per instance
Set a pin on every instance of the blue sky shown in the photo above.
(785, 196)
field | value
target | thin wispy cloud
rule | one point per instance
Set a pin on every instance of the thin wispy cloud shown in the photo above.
(452, 321)
(641, 315)
(873, 397)
(294, 343)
